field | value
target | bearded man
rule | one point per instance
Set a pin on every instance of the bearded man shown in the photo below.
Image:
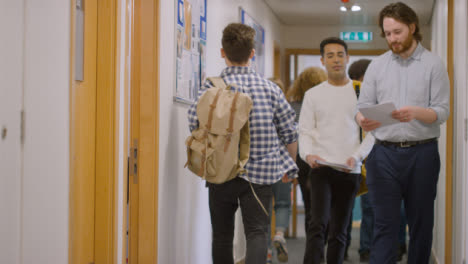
(404, 162)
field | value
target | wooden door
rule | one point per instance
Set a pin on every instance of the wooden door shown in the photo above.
(144, 134)
(92, 134)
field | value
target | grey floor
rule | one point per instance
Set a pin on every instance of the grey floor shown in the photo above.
(296, 246)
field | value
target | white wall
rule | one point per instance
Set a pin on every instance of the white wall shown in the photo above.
(309, 37)
(11, 97)
(45, 183)
(460, 147)
(439, 46)
(184, 219)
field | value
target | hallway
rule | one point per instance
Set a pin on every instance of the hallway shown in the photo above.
(52, 49)
(296, 246)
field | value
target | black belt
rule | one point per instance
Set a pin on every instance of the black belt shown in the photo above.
(405, 144)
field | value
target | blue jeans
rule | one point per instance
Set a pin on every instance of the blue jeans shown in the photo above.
(411, 174)
(224, 200)
(282, 198)
(367, 225)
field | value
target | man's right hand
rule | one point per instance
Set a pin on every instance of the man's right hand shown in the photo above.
(366, 123)
(312, 161)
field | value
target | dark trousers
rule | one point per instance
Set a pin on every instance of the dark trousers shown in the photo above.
(331, 197)
(304, 184)
(224, 200)
(410, 174)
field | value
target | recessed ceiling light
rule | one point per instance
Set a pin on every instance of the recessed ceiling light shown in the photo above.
(343, 9)
(355, 8)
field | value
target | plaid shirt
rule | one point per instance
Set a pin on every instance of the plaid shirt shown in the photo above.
(272, 125)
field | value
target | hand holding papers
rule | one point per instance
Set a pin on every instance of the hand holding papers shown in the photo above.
(334, 165)
(381, 113)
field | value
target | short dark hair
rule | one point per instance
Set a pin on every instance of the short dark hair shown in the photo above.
(403, 13)
(358, 69)
(332, 40)
(238, 42)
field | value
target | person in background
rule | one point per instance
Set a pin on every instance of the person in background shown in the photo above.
(307, 79)
(282, 204)
(328, 133)
(404, 162)
(273, 148)
(356, 72)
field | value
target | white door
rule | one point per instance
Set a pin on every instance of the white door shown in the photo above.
(11, 97)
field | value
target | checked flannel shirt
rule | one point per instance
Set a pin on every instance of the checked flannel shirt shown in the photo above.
(272, 125)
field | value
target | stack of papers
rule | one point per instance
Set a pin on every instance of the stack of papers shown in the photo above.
(381, 112)
(334, 165)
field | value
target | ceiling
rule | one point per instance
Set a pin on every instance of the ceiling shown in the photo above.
(327, 12)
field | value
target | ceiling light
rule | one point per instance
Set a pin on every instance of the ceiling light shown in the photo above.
(355, 8)
(343, 9)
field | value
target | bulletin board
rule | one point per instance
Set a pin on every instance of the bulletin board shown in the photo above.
(258, 61)
(190, 49)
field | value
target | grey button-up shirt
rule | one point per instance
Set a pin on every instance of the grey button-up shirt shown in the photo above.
(420, 80)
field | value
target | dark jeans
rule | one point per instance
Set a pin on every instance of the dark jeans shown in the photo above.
(224, 200)
(304, 184)
(332, 194)
(410, 174)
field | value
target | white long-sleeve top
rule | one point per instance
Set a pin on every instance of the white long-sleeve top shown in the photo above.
(327, 127)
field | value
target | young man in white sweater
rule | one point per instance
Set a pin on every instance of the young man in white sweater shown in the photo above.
(329, 133)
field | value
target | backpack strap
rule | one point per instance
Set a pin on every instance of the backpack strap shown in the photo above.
(231, 121)
(212, 108)
(217, 82)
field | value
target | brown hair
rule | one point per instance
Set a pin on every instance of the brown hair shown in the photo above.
(238, 42)
(308, 78)
(278, 82)
(358, 69)
(403, 13)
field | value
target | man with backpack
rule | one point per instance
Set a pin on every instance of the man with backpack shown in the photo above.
(330, 144)
(272, 127)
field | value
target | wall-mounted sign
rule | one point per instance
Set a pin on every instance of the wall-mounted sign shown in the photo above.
(356, 36)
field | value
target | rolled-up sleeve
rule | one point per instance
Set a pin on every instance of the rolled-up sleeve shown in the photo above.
(284, 118)
(440, 92)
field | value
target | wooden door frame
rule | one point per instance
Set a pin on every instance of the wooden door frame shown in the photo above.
(449, 144)
(144, 130)
(99, 160)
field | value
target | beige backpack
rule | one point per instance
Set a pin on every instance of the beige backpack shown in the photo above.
(219, 149)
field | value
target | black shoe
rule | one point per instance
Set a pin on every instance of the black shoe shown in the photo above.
(364, 256)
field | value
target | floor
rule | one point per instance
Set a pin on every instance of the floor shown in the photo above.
(296, 246)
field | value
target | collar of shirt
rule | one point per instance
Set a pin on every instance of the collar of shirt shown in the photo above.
(416, 55)
(237, 70)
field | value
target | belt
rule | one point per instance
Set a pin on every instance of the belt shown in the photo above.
(405, 144)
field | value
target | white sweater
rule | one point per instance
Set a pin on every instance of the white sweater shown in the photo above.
(327, 127)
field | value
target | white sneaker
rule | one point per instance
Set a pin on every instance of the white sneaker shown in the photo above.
(280, 244)
(269, 256)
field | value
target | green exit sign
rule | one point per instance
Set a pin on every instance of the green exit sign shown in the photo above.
(356, 36)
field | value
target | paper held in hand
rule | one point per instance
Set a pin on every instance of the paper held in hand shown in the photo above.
(334, 165)
(381, 112)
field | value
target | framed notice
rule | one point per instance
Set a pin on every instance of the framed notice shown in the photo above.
(258, 61)
(190, 49)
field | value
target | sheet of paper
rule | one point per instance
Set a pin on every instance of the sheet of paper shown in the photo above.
(335, 165)
(381, 112)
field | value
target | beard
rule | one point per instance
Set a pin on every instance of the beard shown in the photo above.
(402, 47)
